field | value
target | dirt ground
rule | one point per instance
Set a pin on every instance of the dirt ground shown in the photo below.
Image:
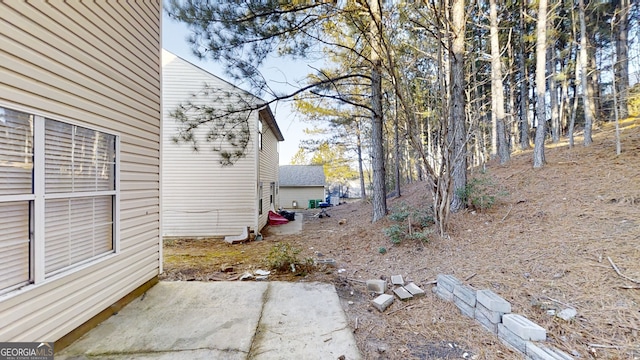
(566, 235)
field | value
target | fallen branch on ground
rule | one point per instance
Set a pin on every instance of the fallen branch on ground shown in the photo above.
(558, 302)
(508, 212)
(619, 273)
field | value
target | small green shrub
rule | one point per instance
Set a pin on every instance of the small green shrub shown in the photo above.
(400, 212)
(411, 224)
(284, 257)
(382, 250)
(396, 233)
(422, 236)
(480, 193)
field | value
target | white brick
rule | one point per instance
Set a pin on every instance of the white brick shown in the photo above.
(402, 293)
(397, 280)
(492, 301)
(466, 294)
(485, 322)
(377, 286)
(382, 302)
(444, 294)
(542, 352)
(465, 308)
(524, 328)
(447, 282)
(508, 337)
(414, 289)
(493, 316)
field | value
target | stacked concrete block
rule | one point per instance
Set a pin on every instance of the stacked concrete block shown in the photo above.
(490, 308)
(494, 313)
(445, 286)
(542, 352)
(516, 330)
(465, 299)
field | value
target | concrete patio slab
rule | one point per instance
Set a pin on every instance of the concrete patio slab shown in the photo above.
(223, 320)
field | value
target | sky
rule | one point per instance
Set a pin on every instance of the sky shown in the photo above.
(278, 72)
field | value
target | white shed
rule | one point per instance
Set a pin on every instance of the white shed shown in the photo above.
(202, 197)
(301, 186)
(80, 135)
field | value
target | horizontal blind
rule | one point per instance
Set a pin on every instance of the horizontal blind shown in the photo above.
(16, 152)
(76, 230)
(14, 243)
(78, 159)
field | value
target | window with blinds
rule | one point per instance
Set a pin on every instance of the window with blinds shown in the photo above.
(16, 197)
(80, 189)
(62, 207)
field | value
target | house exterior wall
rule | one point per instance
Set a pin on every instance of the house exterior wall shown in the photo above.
(301, 195)
(268, 173)
(202, 198)
(97, 65)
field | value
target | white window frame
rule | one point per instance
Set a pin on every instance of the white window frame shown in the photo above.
(39, 197)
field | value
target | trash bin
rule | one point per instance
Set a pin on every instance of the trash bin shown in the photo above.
(294, 204)
(312, 204)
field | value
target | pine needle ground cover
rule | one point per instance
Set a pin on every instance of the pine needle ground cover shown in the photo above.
(547, 243)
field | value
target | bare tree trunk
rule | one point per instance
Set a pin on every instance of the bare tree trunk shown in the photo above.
(588, 120)
(576, 87)
(621, 66)
(379, 199)
(396, 140)
(553, 90)
(615, 97)
(497, 89)
(541, 51)
(524, 88)
(564, 102)
(457, 152)
(363, 193)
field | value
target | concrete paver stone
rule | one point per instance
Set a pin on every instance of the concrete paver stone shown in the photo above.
(382, 302)
(493, 301)
(402, 293)
(466, 294)
(377, 286)
(542, 352)
(397, 280)
(510, 338)
(493, 316)
(414, 289)
(523, 327)
(448, 282)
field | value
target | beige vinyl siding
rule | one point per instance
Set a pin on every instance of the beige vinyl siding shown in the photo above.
(200, 196)
(94, 64)
(301, 194)
(268, 171)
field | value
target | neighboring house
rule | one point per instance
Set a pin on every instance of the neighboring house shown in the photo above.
(301, 183)
(201, 197)
(80, 136)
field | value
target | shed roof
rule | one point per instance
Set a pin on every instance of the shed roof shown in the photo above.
(302, 175)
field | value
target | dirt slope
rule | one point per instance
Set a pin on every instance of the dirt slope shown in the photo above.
(544, 245)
